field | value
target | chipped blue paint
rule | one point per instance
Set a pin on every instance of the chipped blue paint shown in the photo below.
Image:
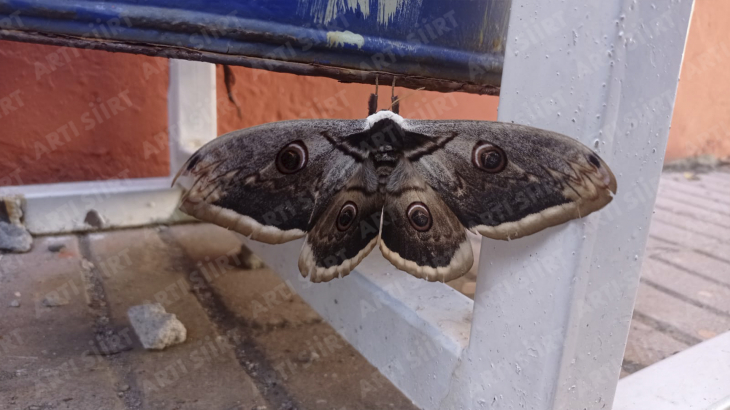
(451, 40)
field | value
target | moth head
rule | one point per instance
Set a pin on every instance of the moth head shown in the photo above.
(419, 216)
(488, 157)
(292, 158)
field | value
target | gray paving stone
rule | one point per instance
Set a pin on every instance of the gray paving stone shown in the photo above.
(695, 200)
(319, 368)
(136, 267)
(687, 239)
(677, 208)
(696, 189)
(716, 179)
(689, 319)
(691, 287)
(649, 345)
(693, 225)
(699, 264)
(47, 354)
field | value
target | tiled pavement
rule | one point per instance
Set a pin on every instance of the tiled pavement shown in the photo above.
(684, 294)
(251, 343)
(254, 345)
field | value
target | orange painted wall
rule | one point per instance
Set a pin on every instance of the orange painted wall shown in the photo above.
(75, 115)
(701, 122)
(265, 96)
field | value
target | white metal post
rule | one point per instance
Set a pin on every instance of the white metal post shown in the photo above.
(552, 311)
(191, 107)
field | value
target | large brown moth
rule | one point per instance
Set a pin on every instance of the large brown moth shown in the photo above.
(412, 186)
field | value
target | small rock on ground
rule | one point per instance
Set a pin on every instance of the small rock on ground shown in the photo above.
(306, 356)
(249, 260)
(54, 300)
(14, 238)
(86, 264)
(56, 247)
(155, 328)
(94, 219)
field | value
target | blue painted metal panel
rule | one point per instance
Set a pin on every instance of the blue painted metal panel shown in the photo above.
(445, 45)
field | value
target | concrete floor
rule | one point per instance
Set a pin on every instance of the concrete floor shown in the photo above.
(252, 344)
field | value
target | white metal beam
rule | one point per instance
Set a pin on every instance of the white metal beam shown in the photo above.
(62, 207)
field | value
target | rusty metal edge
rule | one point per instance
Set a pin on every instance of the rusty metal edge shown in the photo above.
(343, 75)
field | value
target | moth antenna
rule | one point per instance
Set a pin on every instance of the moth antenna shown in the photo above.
(394, 105)
(398, 100)
(177, 175)
(373, 100)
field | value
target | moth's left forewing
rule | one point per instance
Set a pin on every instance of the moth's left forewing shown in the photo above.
(547, 178)
(265, 181)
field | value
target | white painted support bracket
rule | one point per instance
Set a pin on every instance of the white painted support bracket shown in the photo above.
(413, 331)
(552, 311)
(125, 202)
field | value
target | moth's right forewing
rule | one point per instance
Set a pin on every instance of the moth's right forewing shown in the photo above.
(542, 178)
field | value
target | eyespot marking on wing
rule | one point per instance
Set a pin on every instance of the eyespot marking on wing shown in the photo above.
(347, 215)
(292, 158)
(419, 216)
(488, 157)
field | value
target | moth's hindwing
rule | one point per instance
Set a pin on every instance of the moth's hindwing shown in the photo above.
(345, 229)
(420, 234)
(506, 180)
(263, 181)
